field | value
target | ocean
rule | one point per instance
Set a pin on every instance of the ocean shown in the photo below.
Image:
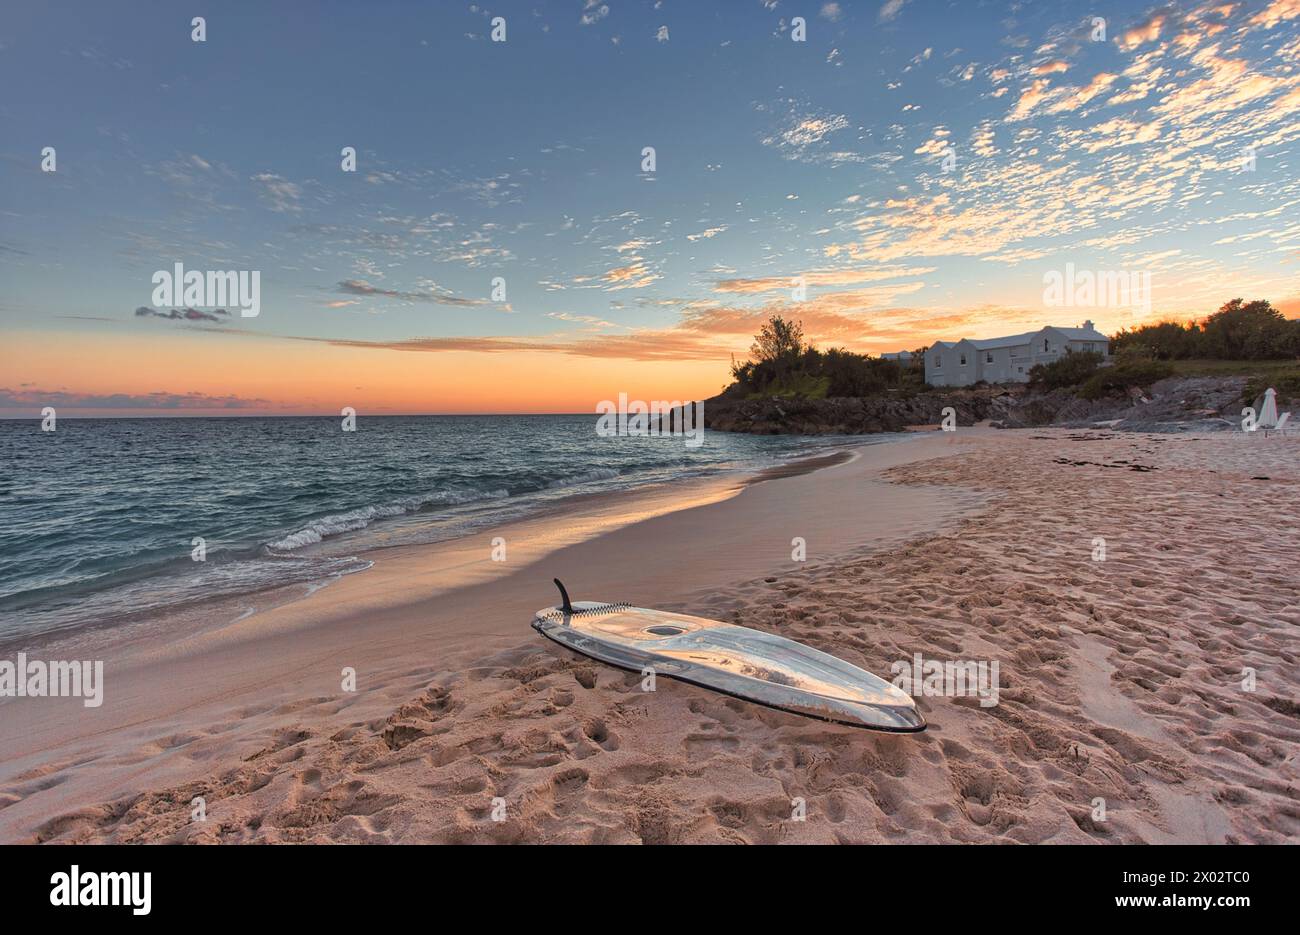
(100, 520)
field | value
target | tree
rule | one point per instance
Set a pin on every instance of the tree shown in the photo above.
(778, 341)
(1249, 331)
(1167, 340)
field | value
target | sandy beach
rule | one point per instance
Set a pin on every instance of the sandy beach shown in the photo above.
(1120, 678)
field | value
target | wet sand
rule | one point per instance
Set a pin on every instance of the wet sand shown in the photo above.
(212, 693)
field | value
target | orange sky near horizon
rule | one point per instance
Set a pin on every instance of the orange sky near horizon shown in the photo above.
(310, 378)
(245, 373)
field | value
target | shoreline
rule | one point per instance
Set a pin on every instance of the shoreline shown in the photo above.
(195, 612)
(370, 620)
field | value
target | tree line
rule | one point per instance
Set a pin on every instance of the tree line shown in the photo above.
(1237, 331)
(782, 362)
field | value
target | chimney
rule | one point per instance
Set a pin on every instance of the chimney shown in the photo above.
(1088, 324)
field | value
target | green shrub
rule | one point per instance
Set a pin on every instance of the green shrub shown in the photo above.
(1070, 370)
(795, 386)
(855, 374)
(1123, 375)
(1287, 386)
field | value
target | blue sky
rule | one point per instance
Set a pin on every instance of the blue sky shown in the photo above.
(522, 159)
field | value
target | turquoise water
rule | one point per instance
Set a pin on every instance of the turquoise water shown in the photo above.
(98, 519)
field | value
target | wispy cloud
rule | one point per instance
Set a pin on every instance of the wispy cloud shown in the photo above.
(362, 288)
(282, 195)
(803, 135)
(182, 314)
(36, 399)
(707, 233)
(633, 276)
(1146, 31)
(593, 11)
(822, 277)
(890, 9)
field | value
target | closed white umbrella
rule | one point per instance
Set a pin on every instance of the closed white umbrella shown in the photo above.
(1268, 412)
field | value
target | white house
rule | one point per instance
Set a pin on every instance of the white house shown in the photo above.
(1007, 360)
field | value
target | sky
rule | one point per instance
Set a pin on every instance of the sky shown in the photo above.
(889, 173)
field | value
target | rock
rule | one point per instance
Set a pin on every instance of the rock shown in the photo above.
(1176, 404)
(843, 415)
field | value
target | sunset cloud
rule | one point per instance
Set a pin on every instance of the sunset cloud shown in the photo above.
(1277, 11)
(1074, 98)
(633, 276)
(1051, 68)
(1146, 31)
(821, 277)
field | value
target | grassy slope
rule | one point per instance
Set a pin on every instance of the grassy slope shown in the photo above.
(1235, 368)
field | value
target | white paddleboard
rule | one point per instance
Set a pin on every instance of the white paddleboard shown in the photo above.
(749, 664)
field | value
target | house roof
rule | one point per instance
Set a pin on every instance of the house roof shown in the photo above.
(1018, 340)
(1081, 334)
(1011, 340)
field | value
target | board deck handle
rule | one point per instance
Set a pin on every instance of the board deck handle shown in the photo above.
(567, 606)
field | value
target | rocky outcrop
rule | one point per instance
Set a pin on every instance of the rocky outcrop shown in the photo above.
(1178, 404)
(842, 415)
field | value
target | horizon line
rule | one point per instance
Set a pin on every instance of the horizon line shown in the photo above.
(380, 415)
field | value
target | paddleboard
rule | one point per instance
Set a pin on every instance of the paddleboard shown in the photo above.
(760, 667)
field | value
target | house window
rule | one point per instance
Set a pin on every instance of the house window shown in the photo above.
(1020, 370)
(963, 360)
(989, 360)
(937, 363)
(1045, 347)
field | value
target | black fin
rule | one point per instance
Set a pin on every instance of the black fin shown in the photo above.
(567, 607)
